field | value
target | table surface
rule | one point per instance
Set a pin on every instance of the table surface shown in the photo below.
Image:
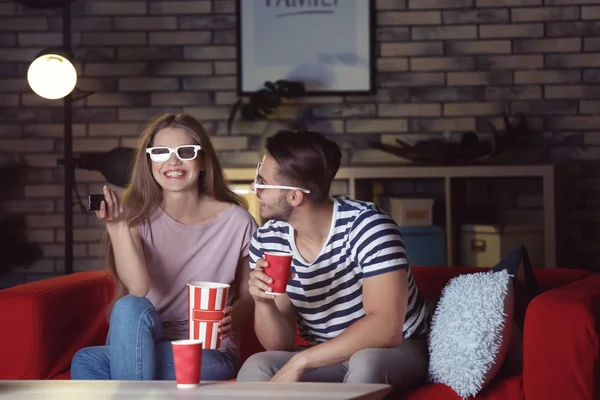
(155, 390)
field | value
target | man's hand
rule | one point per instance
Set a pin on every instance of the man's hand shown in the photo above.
(259, 282)
(292, 371)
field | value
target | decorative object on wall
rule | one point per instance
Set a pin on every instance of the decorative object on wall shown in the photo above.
(471, 149)
(15, 248)
(264, 102)
(326, 44)
(441, 151)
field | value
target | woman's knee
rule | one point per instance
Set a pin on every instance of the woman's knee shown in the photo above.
(90, 363)
(80, 358)
(130, 308)
(218, 366)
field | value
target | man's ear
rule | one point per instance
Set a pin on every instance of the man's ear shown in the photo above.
(295, 197)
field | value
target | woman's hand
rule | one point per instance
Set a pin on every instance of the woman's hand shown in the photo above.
(241, 311)
(225, 324)
(111, 209)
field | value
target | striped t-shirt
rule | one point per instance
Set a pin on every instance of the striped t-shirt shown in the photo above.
(327, 293)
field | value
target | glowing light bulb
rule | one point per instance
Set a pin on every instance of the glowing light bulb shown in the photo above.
(52, 76)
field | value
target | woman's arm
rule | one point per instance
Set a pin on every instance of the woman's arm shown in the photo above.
(129, 258)
(126, 245)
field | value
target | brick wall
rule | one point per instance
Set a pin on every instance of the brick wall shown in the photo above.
(442, 65)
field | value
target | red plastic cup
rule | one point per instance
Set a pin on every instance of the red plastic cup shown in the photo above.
(206, 302)
(187, 356)
(278, 270)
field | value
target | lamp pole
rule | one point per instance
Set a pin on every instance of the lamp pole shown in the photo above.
(68, 147)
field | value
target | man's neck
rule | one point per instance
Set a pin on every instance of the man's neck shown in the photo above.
(312, 223)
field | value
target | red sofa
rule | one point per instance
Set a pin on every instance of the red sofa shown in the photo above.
(46, 322)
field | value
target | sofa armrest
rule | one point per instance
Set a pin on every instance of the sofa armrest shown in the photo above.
(560, 343)
(46, 322)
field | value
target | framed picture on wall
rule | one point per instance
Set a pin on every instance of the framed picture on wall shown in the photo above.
(326, 44)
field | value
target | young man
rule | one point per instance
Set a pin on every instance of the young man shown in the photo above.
(351, 292)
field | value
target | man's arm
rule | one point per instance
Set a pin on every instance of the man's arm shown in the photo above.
(385, 299)
(274, 319)
(274, 316)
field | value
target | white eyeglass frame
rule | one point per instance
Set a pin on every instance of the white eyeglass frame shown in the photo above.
(261, 186)
(164, 157)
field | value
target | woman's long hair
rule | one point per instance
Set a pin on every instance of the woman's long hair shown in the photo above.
(143, 194)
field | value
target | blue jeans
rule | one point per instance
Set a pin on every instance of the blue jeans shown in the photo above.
(136, 349)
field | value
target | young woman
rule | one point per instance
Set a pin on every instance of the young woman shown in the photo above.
(178, 222)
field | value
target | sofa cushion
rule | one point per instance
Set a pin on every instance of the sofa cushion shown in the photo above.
(63, 376)
(50, 320)
(431, 280)
(552, 278)
(561, 343)
(498, 389)
(470, 331)
(518, 265)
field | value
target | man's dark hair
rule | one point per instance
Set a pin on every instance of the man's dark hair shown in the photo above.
(306, 159)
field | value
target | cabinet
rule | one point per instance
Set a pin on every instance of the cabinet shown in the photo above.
(364, 183)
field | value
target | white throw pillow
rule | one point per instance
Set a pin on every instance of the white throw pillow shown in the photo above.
(470, 331)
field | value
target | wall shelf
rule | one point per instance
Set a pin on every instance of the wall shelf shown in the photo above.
(453, 178)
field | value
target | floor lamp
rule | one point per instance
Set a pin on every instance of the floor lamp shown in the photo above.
(52, 75)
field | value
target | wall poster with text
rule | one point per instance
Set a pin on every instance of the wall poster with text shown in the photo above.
(326, 44)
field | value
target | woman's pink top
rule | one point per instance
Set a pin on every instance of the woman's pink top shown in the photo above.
(177, 254)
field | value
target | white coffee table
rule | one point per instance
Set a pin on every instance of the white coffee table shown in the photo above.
(155, 390)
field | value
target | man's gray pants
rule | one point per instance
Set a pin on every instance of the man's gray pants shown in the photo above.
(404, 367)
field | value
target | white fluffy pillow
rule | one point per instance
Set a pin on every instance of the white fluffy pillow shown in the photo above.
(470, 331)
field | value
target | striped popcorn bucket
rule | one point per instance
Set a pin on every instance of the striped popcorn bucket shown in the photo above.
(206, 301)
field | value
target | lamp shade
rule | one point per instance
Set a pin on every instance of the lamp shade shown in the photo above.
(115, 164)
(52, 75)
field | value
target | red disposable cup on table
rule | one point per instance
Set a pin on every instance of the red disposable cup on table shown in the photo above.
(187, 357)
(206, 302)
(279, 269)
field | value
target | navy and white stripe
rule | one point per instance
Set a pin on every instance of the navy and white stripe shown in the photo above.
(327, 294)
